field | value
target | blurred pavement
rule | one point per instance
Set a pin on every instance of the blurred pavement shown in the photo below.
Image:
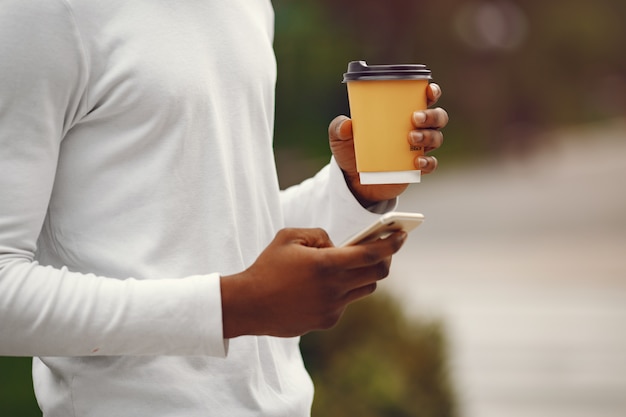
(525, 261)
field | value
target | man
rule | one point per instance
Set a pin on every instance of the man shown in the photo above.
(144, 256)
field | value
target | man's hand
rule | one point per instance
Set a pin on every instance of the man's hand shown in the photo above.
(427, 133)
(301, 282)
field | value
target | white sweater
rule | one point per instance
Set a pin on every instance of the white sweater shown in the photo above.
(136, 167)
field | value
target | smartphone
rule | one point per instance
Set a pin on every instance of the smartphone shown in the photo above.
(386, 225)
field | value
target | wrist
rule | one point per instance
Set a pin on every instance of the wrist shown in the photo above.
(357, 189)
(237, 315)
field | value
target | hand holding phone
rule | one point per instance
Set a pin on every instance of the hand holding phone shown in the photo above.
(387, 224)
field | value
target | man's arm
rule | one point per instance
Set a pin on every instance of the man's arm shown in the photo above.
(48, 311)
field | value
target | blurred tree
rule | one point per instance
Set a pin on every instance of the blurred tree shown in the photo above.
(508, 68)
(16, 389)
(376, 363)
(311, 55)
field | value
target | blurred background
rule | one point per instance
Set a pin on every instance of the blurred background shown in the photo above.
(518, 275)
(511, 298)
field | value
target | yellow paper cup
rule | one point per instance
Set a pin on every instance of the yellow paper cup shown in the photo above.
(382, 101)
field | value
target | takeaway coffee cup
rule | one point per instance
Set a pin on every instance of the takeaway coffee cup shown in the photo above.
(382, 101)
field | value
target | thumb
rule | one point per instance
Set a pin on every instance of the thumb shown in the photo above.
(340, 129)
(309, 237)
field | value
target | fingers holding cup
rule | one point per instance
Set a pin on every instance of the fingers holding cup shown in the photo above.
(436, 118)
(426, 164)
(427, 134)
(429, 139)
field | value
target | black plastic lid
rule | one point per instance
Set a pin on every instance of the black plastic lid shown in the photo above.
(359, 70)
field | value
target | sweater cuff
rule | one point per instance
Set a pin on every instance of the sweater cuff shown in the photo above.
(339, 185)
(351, 216)
(210, 308)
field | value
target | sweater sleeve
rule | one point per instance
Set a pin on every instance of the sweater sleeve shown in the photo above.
(326, 201)
(47, 311)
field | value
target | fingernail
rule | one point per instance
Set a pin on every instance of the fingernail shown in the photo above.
(416, 138)
(436, 90)
(338, 128)
(423, 162)
(419, 117)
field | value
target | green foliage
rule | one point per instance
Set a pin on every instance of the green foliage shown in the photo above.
(377, 363)
(16, 389)
(568, 67)
(311, 56)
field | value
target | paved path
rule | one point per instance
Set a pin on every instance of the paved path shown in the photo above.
(526, 262)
